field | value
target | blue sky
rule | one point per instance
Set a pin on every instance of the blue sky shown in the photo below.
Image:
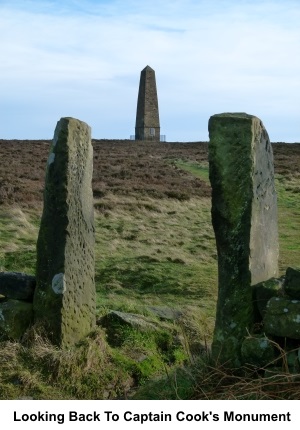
(83, 58)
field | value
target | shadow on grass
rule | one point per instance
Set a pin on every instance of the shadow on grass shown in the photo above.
(146, 275)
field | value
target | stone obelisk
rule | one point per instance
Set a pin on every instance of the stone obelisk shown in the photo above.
(147, 118)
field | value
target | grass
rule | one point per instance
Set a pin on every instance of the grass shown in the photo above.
(288, 192)
(147, 255)
(200, 170)
(288, 200)
(18, 232)
(152, 250)
(155, 251)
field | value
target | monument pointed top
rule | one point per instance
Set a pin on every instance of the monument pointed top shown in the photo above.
(148, 68)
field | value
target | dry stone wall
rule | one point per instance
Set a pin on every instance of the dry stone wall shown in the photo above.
(274, 337)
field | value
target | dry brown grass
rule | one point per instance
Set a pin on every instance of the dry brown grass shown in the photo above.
(216, 383)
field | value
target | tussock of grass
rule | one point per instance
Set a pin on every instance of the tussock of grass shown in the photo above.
(37, 369)
(18, 232)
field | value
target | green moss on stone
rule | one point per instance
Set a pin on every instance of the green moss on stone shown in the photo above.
(282, 318)
(257, 351)
(15, 318)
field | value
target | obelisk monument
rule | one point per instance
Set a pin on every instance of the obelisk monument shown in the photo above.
(147, 117)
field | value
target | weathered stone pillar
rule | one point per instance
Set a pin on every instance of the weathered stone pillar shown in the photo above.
(64, 299)
(244, 217)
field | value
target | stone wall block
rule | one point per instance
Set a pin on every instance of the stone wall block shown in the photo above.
(264, 291)
(258, 351)
(17, 285)
(282, 318)
(292, 282)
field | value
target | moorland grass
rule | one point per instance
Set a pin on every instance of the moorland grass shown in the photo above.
(288, 200)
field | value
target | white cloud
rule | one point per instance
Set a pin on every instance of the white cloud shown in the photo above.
(83, 59)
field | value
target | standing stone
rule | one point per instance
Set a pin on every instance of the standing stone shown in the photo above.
(147, 118)
(64, 299)
(244, 217)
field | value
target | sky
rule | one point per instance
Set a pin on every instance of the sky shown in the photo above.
(83, 58)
